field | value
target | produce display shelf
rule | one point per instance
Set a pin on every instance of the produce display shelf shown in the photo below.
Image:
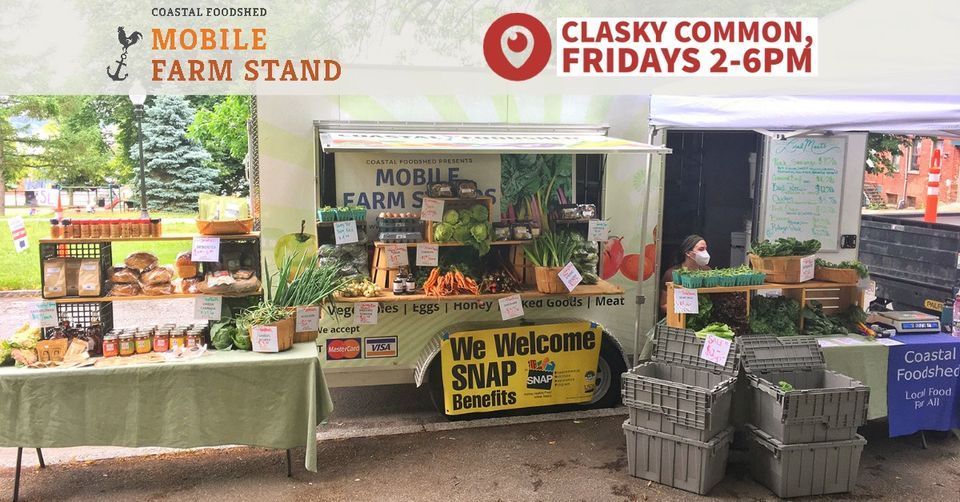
(773, 285)
(599, 289)
(110, 299)
(381, 244)
(360, 223)
(181, 237)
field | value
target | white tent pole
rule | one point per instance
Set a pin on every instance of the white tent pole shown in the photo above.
(640, 299)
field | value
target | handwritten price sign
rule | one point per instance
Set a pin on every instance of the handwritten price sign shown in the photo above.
(432, 209)
(685, 301)
(598, 230)
(205, 249)
(366, 313)
(265, 339)
(397, 256)
(716, 350)
(511, 307)
(345, 232)
(44, 314)
(807, 267)
(428, 255)
(570, 276)
(207, 307)
(308, 318)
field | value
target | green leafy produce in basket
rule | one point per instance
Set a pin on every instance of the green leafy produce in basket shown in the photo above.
(451, 216)
(817, 323)
(861, 269)
(717, 329)
(776, 316)
(785, 247)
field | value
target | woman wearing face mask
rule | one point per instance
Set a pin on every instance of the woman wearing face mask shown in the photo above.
(693, 256)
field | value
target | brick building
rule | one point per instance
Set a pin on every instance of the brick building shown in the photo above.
(909, 184)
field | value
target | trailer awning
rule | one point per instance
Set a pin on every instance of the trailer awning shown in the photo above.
(477, 139)
(930, 115)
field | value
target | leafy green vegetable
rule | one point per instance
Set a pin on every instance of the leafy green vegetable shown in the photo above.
(774, 316)
(816, 323)
(241, 340)
(461, 232)
(5, 351)
(700, 320)
(785, 386)
(530, 183)
(717, 329)
(443, 232)
(479, 213)
(785, 247)
(222, 334)
(261, 314)
(301, 280)
(551, 249)
(451, 216)
(861, 269)
(479, 231)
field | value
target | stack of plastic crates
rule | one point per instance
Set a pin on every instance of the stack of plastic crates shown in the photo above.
(804, 418)
(83, 313)
(678, 433)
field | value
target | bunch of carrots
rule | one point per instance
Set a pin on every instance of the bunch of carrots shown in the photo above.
(451, 283)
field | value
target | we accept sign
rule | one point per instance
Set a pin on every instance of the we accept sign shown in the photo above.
(519, 367)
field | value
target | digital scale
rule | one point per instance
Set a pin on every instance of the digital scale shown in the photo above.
(910, 322)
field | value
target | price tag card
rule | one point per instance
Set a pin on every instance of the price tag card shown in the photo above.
(716, 350)
(206, 249)
(397, 256)
(598, 230)
(345, 232)
(570, 276)
(807, 267)
(44, 314)
(770, 293)
(511, 307)
(264, 339)
(686, 301)
(366, 312)
(207, 307)
(308, 318)
(428, 255)
(432, 209)
(19, 233)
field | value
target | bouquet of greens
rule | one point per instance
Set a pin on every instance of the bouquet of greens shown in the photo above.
(785, 247)
(551, 249)
(861, 269)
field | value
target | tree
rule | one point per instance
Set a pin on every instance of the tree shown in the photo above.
(221, 128)
(882, 149)
(18, 148)
(175, 165)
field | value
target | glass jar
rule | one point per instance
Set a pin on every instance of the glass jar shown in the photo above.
(156, 227)
(134, 228)
(76, 229)
(95, 229)
(194, 339)
(67, 230)
(54, 228)
(115, 229)
(142, 342)
(84, 229)
(111, 347)
(161, 341)
(178, 340)
(127, 345)
(145, 229)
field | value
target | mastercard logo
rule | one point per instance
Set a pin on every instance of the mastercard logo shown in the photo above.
(343, 348)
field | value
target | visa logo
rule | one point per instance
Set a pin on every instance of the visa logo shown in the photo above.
(380, 347)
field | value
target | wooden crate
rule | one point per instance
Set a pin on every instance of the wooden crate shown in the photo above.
(380, 273)
(459, 204)
(838, 275)
(522, 269)
(780, 269)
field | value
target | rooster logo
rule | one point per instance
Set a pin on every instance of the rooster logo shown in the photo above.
(125, 42)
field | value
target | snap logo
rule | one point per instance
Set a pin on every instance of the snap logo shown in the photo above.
(540, 374)
(343, 348)
(374, 348)
(517, 46)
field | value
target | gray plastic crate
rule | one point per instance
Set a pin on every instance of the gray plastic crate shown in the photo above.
(678, 392)
(694, 466)
(824, 405)
(799, 470)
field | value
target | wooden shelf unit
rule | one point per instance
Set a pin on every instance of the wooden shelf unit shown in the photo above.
(834, 296)
(599, 289)
(140, 298)
(182, 237)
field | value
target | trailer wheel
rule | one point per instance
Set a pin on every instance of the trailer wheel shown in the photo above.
(606, 394)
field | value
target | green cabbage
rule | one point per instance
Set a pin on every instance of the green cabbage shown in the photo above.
(241, 340)
(479, 213)
(461, 233)
(479, 231)
(443, 232)
(451, 216)
(466, 216)
(222, 335)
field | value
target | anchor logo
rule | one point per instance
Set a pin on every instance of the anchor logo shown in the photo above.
(125, 42)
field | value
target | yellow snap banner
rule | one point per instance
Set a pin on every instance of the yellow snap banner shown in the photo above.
(519, 367)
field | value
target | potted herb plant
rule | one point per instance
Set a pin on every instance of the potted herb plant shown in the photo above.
(549, 253)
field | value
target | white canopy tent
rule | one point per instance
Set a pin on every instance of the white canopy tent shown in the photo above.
(930, 115)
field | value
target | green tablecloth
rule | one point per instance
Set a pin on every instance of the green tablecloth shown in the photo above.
(866, 362)
(221, 398)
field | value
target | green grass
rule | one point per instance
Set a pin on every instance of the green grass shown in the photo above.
(22, 270)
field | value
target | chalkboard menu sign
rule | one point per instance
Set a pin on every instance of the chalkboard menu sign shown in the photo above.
(804, 189)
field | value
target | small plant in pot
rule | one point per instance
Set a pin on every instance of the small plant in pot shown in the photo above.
(549, 253)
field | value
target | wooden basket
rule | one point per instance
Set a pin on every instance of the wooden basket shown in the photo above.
(548, 280)
(225, 227)
(840, 275)
(302, 336)
(781, 269)
(285, 330)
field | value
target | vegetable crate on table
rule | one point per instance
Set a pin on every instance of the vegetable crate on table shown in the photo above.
(803, 431)
(458, 204)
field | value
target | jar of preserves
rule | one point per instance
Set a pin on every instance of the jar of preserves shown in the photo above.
(54, 228)
(115, 229)
(66, 231)
(178, 340)
(145, 229)
(156, 227)
(194, 339)
(95, 229)
(161, 341)
(84, 228)
(127, 345)
(142, 342)
(134, 228)
(111, 347)
(76, 229)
